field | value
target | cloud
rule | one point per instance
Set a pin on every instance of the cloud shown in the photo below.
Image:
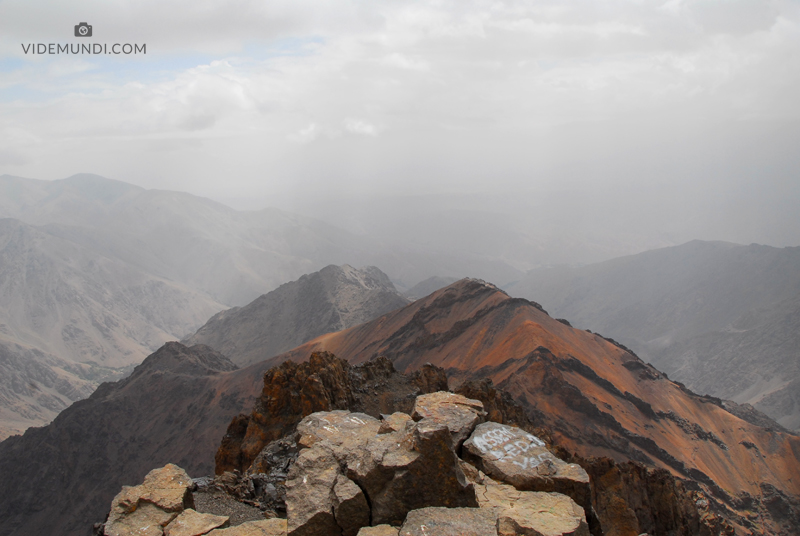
(306, 135)
(452, 94)
(356, 126)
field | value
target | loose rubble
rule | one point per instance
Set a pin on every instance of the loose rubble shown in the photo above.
(343, 473)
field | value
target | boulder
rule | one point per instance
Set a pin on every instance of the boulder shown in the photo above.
(511, 455)
(309, 498)
(350, 508)
(191, 523)
(378, 530)
(532, 513)
(409, 469)
(146, 509)
(450, 522)
(458, 413)
(349, 474)
(266, 527)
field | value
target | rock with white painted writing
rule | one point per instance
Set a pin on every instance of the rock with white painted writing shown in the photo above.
(529, 512)
(459, 413)
(514, 456)
(450, 522)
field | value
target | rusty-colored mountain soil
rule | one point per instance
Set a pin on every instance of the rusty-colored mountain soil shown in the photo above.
(593, 396)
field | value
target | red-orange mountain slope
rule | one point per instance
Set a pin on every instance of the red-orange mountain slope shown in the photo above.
(596, 398)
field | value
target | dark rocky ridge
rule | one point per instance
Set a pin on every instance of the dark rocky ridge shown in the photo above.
(333, 299)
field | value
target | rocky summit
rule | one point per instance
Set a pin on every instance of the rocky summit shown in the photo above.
(357, 475)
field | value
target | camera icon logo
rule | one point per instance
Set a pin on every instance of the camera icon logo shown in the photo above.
(83, 30)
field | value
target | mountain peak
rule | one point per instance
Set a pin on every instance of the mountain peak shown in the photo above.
(333, 299)
(197, 360)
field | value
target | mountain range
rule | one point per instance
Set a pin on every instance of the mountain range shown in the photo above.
(96, 274)
(591, 396)
(724, 319)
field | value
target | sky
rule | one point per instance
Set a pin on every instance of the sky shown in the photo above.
(687, 107)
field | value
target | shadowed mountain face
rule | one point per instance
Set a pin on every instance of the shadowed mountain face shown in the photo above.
(71, 317)
(175, 407)
(333, 299)
(724, 319)
(596, 398)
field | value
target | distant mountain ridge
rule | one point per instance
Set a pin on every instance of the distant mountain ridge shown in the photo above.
(95, 274)
(722, 318)
(332, 299)
(591, 396)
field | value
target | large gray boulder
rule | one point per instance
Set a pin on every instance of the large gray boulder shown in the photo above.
(511, 455)
(354, 471)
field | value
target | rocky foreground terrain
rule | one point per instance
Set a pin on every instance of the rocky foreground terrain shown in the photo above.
(440, 463)
(658, 456)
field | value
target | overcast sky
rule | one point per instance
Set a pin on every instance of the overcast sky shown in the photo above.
(247, 101)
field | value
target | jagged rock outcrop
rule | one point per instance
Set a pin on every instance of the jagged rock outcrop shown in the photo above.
(332, 299)
(323, 383)
(588, 394)
(353, 473)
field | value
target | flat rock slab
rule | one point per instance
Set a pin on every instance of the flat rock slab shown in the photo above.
(379, 530)
(459, 413)
(529, 512)
(450, 522)
(191, 523)
(516, 457)
(266, 527)
(337, 427)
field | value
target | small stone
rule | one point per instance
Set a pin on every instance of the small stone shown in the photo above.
(395, 422)
(449, 522)
(379, 530)
(191, 523)
(266, 527)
